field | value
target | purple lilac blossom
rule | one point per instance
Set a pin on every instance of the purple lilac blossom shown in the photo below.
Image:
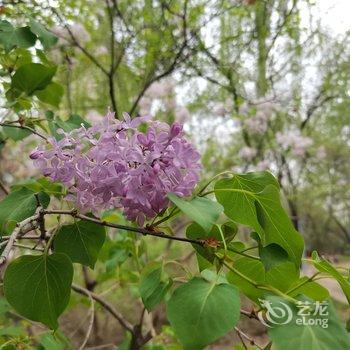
(113, 164)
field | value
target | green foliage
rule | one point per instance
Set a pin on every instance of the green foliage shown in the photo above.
(194, 231)
(11, 37)
(202, 311)
(81, 241)
(203, 211)
(32, 77)
(323, 265)
(55, 123)
(253, 270)
(46, 38)
(38, 287)
(19, 205)
(51, 94)
(15, 133)
(309, 335)
(154, 284)
(254, 200)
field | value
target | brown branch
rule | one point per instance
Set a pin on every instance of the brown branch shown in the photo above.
(116, 314)
(91, 323)
(171, 67)
(3, 187)
(22, 228)
(242, 335)
(143, 231)
(76, 42)
(249, 314)
(113, 66)
(24, 127)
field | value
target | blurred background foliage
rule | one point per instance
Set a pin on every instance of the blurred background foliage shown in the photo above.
(259, 85)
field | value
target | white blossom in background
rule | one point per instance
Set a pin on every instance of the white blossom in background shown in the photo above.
(182, 114)
(161, 89)
(257, 124)
(266, 107)
(247, 153)
(145, 105)
(263, 165)
(170, 103)
(101, 50)
(78, 30)
(219, 110)
(321, 153)
(293, 140)
(244, 108)
(229, 105)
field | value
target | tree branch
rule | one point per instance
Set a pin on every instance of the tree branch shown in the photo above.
(116, 314)
(91, 323)
(3, 187)
(76, 42)
(242, 335)
(24, 127)
(143, 231)
(21, 229)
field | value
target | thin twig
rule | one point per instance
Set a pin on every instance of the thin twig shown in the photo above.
(76, 42)
(21, 229)
(116, 314)
(143, 231)
(18, 245)
(4, 188)
(246, 336)
(91, 322)
(24, 127)
(249, 314)
(241, 338)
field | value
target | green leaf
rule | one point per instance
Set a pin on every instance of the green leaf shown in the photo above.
(38, 287)
(311, 289)
(201, 312)
(310, 334)
(154, 284)
(52, 94)
(254, 270)
(11, 37)
(46, 38)
(73, 122)
(282, 276)
(41, 184)
(32, 77)
(15, 134)
(249, 203)
(81, 241)
(323, 265)
(203, 211)
(19, 205)
(272, 255)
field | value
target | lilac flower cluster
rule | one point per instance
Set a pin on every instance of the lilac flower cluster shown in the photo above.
(113, 164)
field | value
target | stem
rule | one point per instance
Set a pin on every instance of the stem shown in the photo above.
(223, 238)
(211, 180)
(105, 305)
(302, 283)
(144, 231)
(3, 187)
(257, 285)
(244, 254)
(24, 127)
(172, 213)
